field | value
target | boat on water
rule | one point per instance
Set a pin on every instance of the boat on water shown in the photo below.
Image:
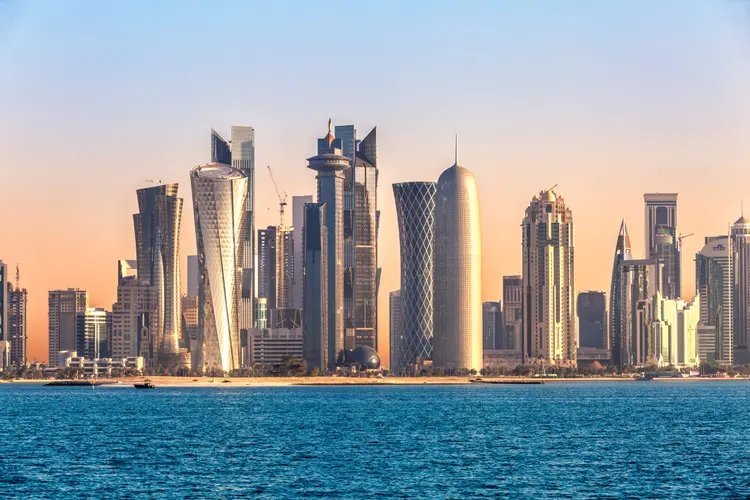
(145, 385)
(72, 383)
(509, 382)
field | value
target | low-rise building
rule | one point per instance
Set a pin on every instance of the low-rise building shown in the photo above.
(268, 347)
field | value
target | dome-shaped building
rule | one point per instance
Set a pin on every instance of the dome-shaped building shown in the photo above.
(457, 341)
(363, 356)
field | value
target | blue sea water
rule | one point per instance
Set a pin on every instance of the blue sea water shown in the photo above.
(561, 440)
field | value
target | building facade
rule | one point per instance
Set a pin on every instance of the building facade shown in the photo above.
(132, 317)
(457, 339)
(740, 235)
(317, 344)
(492, 327)
(17, 309)
(549, 307)
(240, 154)
(673, 333)
(157, 239)
(622, 252)
(219, 198)
(330, 165)
(5, 347)
(64, 306)
(94, 333)
(275, 266)
(663, 240)
(513, 311)
(396, 329)
(592, 320)
(269, 347)
(638, 283)
(193, 275)
(298, 260)
(714, 276)
(415, 210)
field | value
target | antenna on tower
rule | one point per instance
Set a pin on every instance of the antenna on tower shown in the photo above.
(18, 278)
(456, 157)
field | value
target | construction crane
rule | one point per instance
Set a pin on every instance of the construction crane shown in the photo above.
(282, 200)
(152, 181)
(680, 237)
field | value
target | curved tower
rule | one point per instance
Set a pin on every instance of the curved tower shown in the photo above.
(457, 341)
(616, 340)
(415, 209)
(330, 164)
(219, 202)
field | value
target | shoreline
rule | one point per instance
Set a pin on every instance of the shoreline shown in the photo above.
(181, 382)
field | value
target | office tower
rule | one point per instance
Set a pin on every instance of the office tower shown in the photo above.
(360, 235)
(396, 324)
(240, 154)
(190, 323)
(663, 240)
(672, 333)
(457, 341)
(492, 326)
(219, 198)
(17, 308)
(126, 268)
(93, 333)
(132, 317)
(714, 282)
(741, 297)
(330, 165)
(638, 283)
(5, 347)
(193, 275)
(622, 252)
(298, 223)
(261, 313)
(513, 311)
(268, 347)
(549, 308)
(64, 305)
(275, 262)
(415, 209)
(318, 348)
(592, 319)
(157, 238)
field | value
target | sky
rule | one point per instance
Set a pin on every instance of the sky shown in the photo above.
(608, 100)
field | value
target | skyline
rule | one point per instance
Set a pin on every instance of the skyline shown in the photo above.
(595, 118)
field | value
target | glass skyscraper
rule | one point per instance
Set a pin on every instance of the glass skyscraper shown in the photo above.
(240, 154)
(157, 242)
(741, 300)
(415, 209)
(17, 308)
(317, 344)
(592, 319)
(622, 252)
(219, 199)
(663, 240)
(714, 279)
(396, 322)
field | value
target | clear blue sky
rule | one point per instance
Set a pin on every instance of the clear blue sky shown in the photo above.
(606, 98)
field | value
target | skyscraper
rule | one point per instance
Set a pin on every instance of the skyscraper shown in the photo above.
(513, 311)
(94, 333)
(64, 305)
(360, 235)
(458, 272)
(219, 198)
(132, 317)
(240, 154)
(415, 209)
(330, 165)
(17, 307)
(549, 308)
(592, 319)
(396, 323)
(741, 296)
(275, 261)
(157, 238)
(317, 344)
(5, 347)
(663, 240)
(714, 276)
(298, 262)
(193, 275)
(672, 335)
(638, 283)
(622, 252)
(492, 326)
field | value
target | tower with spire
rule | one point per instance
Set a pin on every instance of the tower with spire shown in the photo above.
(330, 164)
(622, 252)
(740, 235)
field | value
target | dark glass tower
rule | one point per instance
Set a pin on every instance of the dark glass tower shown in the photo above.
(622, 252)
(592, 320)
(317, 344)
(415, 209)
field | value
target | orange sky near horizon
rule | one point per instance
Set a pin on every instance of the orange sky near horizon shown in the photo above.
(651, 109)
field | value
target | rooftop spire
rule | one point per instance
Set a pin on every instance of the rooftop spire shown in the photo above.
(456, 154)
(330, 137)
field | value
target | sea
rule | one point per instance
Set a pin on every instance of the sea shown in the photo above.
(558, 440)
